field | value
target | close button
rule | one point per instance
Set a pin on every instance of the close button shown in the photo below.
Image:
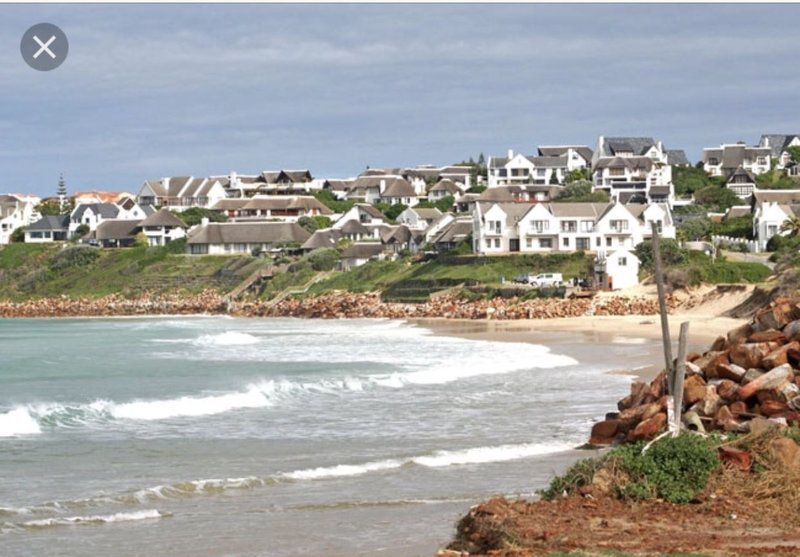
(44, 47)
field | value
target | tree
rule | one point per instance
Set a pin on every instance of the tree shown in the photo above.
(18, 235)
(688, 180)
(692, 230)
(49, 207)
(329, 200)
(577, 175)
(581, 192)
(391, 212)
(140, 240)
(554, 177)
(671, 253)
(716, 198)
(481, 160)
(794, 153)
(312, 224)
(791, 226)
(61, 190)
(81, 231)
(195, 215)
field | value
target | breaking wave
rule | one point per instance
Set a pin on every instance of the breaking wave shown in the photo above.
(18, 422)
(228, 338)
(94, 519)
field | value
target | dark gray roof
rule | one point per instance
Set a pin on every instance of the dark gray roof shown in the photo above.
(677, 157)
(633, 163)
(323, 239)
(116, 230)
(561, 151)
(659, 190)
(51, 222)
(352, 226)
(453, 232)
(732, 156)
(777, 142)
(105, 210)
(636, 145)
(249, 233)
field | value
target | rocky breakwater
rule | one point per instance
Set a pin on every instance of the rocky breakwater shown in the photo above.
(747, 378)
(344, 304)
(114, 305)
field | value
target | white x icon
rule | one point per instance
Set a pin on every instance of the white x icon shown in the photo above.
(44, 47)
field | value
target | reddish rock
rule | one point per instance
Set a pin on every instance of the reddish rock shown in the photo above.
(711, 402)
(694, 390)
(738, 408)
(728, 389)
(632, 416)
(751, 375)
(604, 433)
(792, 330)
(649, 428)
(711, 361)
(779, 356)
(786, 452)
(771, 407)
(658, 386)
(770, 380)
(735, 457)
(750, 354)
(719, 344)
(693, 356)
(770, 335)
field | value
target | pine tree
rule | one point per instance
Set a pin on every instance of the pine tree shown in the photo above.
(61, 192)
(481, 160)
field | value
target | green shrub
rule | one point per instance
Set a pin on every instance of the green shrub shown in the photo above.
(323, 259)
(671, 253)
(675, 469)
(195, 215)
(18, 235)
(75, 256)
(577, 476)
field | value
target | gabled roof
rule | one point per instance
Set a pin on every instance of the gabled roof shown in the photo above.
(371, 210)
(586, 210)
(285, 202)
(453, 232)
(51, 222)
(783, 197)
(513, 193)
(633, 163)
(677, 157)
(778, 142)
(249, 233)
(293, 176)
(230, 204)
(659, 190)
(732, 156)
(427, 213)
(738, 211)
(352, 226)
(326, 238)
(741, 176)
(514, 211)
(447, 185)
(396, 235)
(115, 230)
(163, 217)
(339, 185)
(105, 210)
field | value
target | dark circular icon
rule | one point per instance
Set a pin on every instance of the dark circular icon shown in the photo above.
(44, 47)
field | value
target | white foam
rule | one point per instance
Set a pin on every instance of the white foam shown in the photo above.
(439, 459)
(228, 338)
(93, 519)
(18, 422)
(253, 397)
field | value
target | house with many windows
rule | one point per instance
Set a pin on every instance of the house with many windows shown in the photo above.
(634, 169)
(727, 158)
(236, 238)
(181, 193)
(566, 227)
(742, 182)
(50, 228)
(287, 208)
(517, 169)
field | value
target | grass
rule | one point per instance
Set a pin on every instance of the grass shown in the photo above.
(25, 272)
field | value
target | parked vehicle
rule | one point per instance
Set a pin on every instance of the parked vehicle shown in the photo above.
(523, 279)
(546, 279)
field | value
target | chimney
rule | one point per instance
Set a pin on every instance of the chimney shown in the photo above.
(382, 186)
(204, 221)
(511, 153)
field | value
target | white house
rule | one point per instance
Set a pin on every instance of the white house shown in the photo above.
(399, 191)
(577, 156)
(287, 208)
(778, 145)
(363, 213)
(617, 270)
(727, 158)
(419, 218)
(92, 214)
(771, 208)
(16, 210)
(635, 169)
(626, 147)
(162, 227)
(546, 227)
(361, 253)
(517, 169)
(50, 228)
(444, 188)
(181, 193)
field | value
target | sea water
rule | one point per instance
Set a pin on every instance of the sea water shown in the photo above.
(222, 436)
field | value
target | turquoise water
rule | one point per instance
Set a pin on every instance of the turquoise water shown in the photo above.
(218, 436)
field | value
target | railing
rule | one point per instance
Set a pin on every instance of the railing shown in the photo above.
(752, 245)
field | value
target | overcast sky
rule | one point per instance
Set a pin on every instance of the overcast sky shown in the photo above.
(150, 91)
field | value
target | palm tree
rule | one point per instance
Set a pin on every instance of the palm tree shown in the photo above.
(791, 225)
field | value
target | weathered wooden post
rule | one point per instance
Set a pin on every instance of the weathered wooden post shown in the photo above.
(680, 373)
(662, 306)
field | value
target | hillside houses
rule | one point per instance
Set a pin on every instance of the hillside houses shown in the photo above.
(634, 169)
(287, 208)
(558, 227)
(223, 238)
(181, 193)
(771, 209)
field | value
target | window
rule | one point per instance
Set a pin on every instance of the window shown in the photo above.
(772, 230)
(198, 249)
(569, 226)
(541, 171)
(597, 241)
(608, 242)
(762, 161)
(540, 225)
(616, 172)
(488, 242)
(565, 242)
(659, 226)
(587, 225)
(546, 243)
(529, 242)
(623, 261)
(240, 248)
(497, 242)
(619, 225)
(495, 227)
(582, 243)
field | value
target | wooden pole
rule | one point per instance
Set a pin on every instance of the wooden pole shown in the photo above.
(662, 306)
(680, 373)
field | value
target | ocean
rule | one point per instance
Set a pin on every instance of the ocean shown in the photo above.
(224, 436)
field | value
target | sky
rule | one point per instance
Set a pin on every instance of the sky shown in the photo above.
(166, 90)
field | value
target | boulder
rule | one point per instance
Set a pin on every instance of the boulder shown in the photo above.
(719, 345)
(735, 457)
(649, 428)
(711, 361)
(792, 330)
(711, 402)
(770, 335)
(728, 389)
(740, 334)
(604, 433)
(771, 380)
(779, 356)
(737, 408)
(751, 375)
(772, 407)
(751, 354)
(694, 390)
(731, 372)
